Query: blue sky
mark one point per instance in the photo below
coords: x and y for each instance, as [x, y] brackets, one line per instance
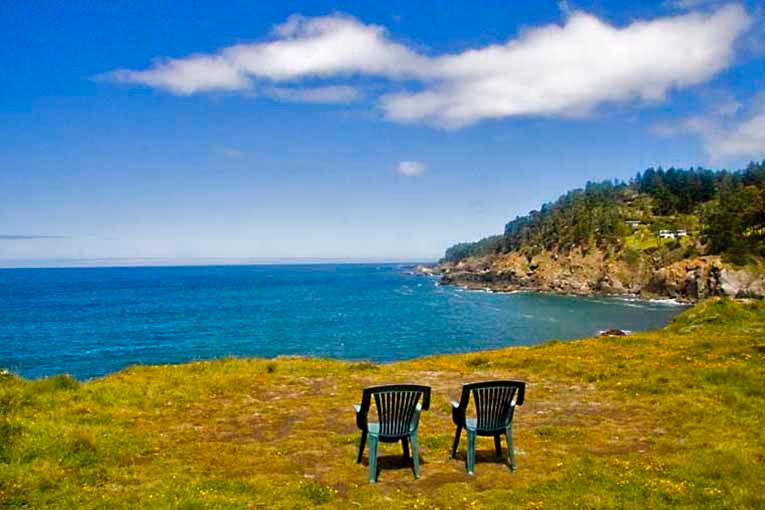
[349, 129]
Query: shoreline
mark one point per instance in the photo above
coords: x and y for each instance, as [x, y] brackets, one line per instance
[437, 273]
[653, 298]
[622, 297]
[687, 281]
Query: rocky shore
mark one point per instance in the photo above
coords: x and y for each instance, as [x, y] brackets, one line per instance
[597, 273]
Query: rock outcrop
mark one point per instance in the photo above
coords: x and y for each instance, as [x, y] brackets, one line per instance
[600, 273]
[741, 283]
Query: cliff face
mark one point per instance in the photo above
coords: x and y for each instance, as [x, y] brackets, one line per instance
[599, 273]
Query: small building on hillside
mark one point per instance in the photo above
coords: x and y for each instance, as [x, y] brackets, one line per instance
[633, 223]
[672, 234]
[666, 234]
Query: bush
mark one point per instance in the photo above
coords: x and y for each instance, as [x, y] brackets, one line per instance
[631, 256]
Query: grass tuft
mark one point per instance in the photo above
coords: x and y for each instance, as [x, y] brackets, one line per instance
[478, 362]
[362, 366]
[315, 493]
[56, 383]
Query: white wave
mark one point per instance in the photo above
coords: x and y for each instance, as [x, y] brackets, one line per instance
[657, 301]
[669, 302]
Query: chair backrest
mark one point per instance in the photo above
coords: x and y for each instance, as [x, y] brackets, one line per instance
[493, 401]
[395, 405]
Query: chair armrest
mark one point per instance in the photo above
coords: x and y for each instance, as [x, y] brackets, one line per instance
[511, 413]
[458, 414]
[361, 418]
[415, 418]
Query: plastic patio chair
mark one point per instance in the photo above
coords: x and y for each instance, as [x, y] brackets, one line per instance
[398, 415]
[495, 403]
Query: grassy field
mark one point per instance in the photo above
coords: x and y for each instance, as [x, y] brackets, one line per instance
[666, 419]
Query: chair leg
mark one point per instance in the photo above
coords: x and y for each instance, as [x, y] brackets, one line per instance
[372, 458]
[362, 444]
[415, 455]
[510, 448]
[470, 461]
[405, 447]
[497, 446]
[456, 441]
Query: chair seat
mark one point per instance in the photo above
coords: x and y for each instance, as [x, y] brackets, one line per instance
[374, 429]
[471, 424]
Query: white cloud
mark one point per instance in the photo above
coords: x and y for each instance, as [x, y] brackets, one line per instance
[684, 4]
[566, 69]
[231, 152]
[326, 46]
[728, 131]
[570, 69]
[747, 139]
[305, 47]
[410, 168]
[328, 94]
[198, 73]
[698, 124]
[730, 107]
[565, 8]
[687, 5]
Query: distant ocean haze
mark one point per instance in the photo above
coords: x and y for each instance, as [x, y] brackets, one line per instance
[93, 321]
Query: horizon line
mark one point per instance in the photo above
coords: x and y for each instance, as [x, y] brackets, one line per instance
[117, 262]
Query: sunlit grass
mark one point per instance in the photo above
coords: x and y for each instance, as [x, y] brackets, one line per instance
[665, 419]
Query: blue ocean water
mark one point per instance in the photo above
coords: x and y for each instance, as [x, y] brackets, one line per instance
[92, 321]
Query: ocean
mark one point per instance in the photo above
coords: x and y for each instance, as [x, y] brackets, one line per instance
[90, 322]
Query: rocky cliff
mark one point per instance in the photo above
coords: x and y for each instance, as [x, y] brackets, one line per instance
[599, 272]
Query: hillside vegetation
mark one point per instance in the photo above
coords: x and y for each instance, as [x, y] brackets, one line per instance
[722, 212]
[664, 419]
[678, 233]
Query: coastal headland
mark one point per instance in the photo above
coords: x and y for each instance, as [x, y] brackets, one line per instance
[683, 234]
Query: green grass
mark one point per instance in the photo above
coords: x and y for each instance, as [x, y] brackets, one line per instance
[665, 419]
[642, 240]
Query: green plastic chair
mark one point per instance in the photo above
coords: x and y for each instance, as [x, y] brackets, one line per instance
[495, 403]
[398, 415]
